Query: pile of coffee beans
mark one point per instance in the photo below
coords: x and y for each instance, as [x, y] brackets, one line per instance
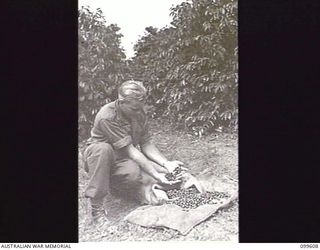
[191, 198]
[172, 176]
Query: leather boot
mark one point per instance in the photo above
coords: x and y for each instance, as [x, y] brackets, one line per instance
[98, 212]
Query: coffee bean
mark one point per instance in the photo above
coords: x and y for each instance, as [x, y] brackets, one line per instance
[177, 170]
[190, 198]
[172, 176]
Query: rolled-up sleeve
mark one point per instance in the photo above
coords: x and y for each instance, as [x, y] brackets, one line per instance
[118, 136]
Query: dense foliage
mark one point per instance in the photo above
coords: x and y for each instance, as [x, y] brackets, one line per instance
[101, 65]
[190, 68]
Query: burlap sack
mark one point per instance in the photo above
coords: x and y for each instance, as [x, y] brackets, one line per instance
[152, 193]
[173, 216]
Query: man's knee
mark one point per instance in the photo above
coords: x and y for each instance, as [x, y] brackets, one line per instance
[97, 154]
[134, 174]
[147, 179]
[128, 171]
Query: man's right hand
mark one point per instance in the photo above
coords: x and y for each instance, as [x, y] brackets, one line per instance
[163, 180]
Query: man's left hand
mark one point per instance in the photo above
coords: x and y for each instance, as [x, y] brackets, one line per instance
[172, 165]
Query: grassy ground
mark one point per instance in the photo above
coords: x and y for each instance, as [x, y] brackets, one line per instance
[216, 154]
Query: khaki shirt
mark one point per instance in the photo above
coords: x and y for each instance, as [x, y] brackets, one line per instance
[111, 127]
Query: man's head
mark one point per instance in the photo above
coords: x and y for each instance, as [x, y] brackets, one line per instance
[132, 90]
[132, 95]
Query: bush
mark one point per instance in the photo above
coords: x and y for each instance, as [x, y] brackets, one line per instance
[190, 69]
[102, 65]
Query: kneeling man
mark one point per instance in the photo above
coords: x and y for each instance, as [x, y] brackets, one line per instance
[113, 157]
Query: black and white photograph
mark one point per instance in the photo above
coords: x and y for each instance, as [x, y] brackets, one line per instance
[158, 120]
[122, 124]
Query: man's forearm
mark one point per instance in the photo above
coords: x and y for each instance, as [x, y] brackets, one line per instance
[143, 162]
[153, 153]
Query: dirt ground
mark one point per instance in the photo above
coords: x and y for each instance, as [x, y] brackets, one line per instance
[216, 154]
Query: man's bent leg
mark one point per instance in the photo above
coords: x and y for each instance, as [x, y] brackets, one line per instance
[126, 177]
[133, 182]
[99, 158]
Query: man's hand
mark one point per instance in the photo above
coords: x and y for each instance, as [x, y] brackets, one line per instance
[153, 153]
[172, 165]
[163, 180]
[147, 166]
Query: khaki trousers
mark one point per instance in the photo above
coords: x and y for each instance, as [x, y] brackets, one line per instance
[108, 169]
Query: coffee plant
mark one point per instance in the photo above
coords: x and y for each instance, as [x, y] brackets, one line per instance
[102, 65]
[191, 67]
